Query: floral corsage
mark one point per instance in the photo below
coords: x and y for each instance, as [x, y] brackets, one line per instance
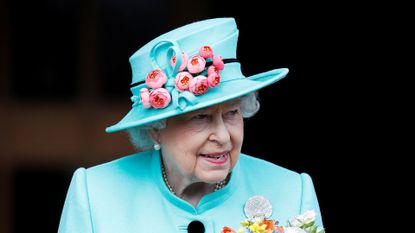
[303, 223]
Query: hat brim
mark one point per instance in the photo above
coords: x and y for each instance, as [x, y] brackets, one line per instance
[222, 93]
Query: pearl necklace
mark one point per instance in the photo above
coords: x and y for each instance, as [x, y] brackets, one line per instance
[218, 186]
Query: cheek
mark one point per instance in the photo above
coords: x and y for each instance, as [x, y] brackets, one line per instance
[182, 143]
[237, 131]
[176, 142]
[190, 138]
[237, 140]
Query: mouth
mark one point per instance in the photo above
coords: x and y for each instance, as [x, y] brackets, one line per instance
[216, 158]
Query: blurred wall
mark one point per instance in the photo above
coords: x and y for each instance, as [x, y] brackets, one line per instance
[64, 77]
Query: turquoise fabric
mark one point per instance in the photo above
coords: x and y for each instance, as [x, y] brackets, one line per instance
[129, 195]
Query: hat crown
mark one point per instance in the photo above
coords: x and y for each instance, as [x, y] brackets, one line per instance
[220, 33]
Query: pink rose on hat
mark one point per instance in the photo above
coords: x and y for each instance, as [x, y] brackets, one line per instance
[206, 51]
[184, 61]
[198, 85]
[218, 62]
[196, 64]
[212, 69]
[156, 79]
[213, 80]
[182, 81]
[159, 98]
[145, 97]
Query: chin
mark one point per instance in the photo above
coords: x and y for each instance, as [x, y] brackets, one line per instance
[215, 177]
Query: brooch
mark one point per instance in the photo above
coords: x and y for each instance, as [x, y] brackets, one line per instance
[258, 207]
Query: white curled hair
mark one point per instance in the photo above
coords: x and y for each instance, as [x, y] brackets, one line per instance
[141, 139]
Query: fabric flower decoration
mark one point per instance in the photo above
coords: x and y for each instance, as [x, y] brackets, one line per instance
[145, 97]
[206, 51]
[198, 85]
[156, 79]
[183, 80]
[196, 64]
[159, 98]
[213, 80]
[218, 62]
[212, 69]
[184, 61]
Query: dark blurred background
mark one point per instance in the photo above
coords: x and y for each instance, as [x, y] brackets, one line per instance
[64, 77]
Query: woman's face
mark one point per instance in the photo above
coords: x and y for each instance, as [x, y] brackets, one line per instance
[204, 145]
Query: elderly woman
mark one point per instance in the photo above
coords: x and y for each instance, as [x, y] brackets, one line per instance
[189, 104]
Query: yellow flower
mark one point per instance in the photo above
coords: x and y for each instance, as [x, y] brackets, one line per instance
[257, 227]
[245, 223]
[254, 227]
[262, 228]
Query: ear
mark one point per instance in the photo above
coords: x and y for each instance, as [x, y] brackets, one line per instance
[155, 135]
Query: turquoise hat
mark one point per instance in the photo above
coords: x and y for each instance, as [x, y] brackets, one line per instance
[207, 43]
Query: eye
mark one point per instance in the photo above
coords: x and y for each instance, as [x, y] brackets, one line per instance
[200, 117]
[233, 112]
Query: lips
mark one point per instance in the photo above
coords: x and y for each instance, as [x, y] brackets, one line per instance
[216, 158]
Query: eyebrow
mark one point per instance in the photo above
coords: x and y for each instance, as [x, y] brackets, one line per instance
[232, 103]
[228, 104]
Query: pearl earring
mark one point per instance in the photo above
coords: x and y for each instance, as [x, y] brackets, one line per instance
[157, 146]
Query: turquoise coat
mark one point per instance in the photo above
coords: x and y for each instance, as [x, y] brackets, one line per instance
[129, 195]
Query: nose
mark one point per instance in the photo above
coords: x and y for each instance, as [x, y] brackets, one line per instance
[220, 133]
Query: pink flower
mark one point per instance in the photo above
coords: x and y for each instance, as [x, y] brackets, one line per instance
[212, 69]
[218, 62]
[184, 61]
[198, 85]
[213, 80]
[196, 64]
[182, 81]
[206, 51]
[145, 97]
[156, 79]
[159, 98]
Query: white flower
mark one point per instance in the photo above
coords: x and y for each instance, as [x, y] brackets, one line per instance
[295, 222]
[303, 219]
[309, 216]
[294, 230]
